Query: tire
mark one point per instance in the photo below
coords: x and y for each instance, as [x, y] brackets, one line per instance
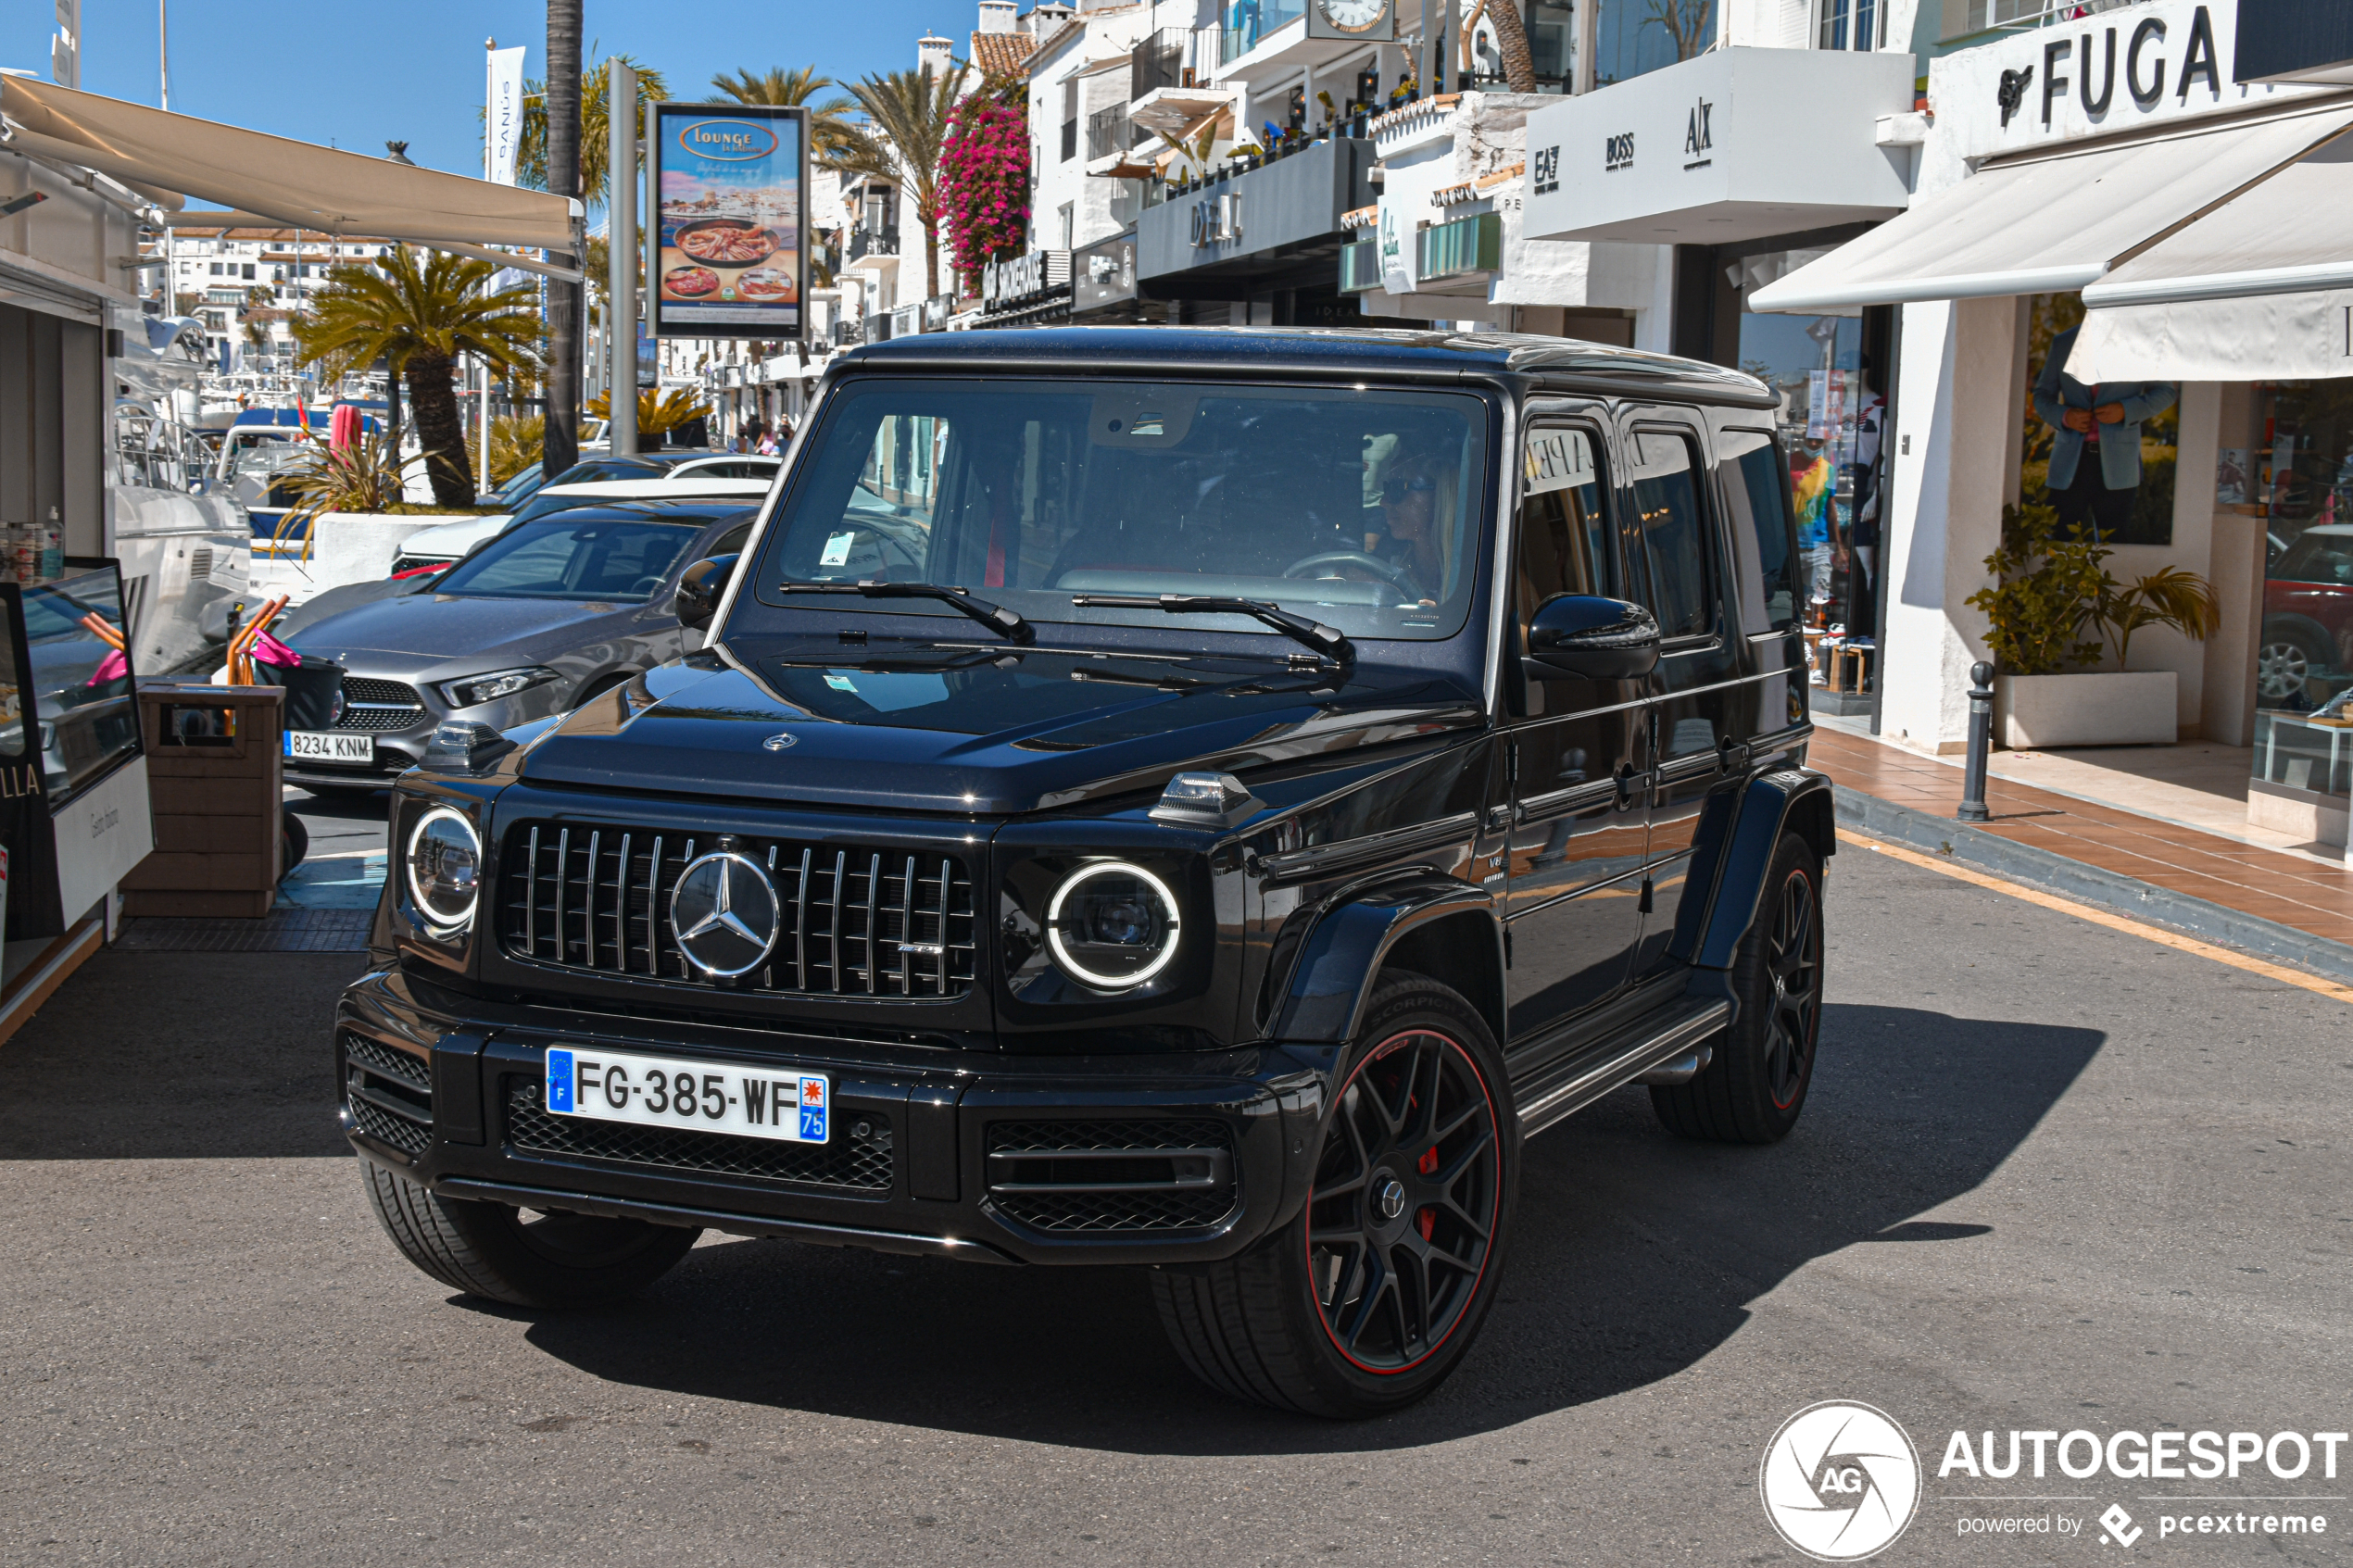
[550, 1264]
[2286, 656]
[1754, 1087]
[1372, 1336]
[295, 836]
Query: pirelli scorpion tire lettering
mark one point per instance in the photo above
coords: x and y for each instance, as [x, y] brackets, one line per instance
[1754, 1089]
[1370, 1297]
[549, 1262]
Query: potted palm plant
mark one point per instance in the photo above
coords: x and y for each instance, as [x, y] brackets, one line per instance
[2054, 613]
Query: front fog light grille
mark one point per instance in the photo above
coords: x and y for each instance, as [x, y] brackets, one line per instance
[856, 1160]
[852, 921]
[389, 1093]
[1114, 1176]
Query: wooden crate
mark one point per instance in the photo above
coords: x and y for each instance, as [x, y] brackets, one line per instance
[214, 772]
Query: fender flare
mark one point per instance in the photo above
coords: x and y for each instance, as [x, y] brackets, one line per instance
[1343, 951]
[1774, 802]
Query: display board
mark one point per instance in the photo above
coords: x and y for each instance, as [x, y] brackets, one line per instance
[730, 182]
[73, 799]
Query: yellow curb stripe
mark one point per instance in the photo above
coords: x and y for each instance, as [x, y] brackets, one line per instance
[2329, 988]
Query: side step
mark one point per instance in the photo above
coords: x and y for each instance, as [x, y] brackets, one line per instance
[1669, 1050]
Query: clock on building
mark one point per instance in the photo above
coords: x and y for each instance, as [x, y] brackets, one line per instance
[1370, 20]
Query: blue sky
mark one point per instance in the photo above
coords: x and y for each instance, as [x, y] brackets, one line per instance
[357, 76]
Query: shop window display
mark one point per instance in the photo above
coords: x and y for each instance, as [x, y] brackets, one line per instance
[2103, 453]
[2302, 477]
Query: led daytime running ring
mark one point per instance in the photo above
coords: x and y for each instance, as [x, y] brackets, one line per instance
[1080, 971]
[434, 920]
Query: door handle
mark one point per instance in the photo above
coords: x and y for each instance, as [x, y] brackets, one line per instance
[1627, 779]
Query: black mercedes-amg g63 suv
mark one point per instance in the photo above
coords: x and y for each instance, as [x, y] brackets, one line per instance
[1190, 798]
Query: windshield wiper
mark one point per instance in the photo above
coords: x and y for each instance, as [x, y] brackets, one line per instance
[1003, 621]
[1326, 640]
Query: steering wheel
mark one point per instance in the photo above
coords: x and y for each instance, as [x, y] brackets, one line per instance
[1396, 576]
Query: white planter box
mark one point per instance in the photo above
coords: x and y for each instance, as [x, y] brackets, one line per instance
[2119, 708]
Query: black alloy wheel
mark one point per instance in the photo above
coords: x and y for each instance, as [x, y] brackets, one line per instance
[1793, 962]
[1374, 1291]
[1402, 1212]
[1756, 1081]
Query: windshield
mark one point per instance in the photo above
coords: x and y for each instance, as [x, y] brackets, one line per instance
[614, 559]
[265, 454]
[610, 468]
[1361, 509]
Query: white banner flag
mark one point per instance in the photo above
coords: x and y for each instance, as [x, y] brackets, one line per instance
[503, 122]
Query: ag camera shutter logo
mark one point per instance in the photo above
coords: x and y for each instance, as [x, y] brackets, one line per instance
[1840, 1481]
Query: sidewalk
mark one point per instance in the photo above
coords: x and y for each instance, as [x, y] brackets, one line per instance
[2289, 905]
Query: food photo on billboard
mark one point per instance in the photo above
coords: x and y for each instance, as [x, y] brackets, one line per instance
[731, 180]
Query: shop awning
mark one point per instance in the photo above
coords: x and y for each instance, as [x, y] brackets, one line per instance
[2051, 224]
[287, 182]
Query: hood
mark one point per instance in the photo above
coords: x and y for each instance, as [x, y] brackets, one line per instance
[986, 732]
[443, 626]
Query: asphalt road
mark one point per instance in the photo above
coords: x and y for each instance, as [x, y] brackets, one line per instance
[2052, 1176]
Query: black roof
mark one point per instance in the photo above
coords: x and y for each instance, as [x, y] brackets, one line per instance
[1387, 352]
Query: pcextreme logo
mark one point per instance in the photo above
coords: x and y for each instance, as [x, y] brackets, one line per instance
[1840, 1481]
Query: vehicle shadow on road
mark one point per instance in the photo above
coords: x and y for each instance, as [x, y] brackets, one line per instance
[1636, 1255]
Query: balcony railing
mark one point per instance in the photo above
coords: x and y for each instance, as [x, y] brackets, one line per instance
[872, 242]
[1250, 22]
[1175, 57]
[1110, 131]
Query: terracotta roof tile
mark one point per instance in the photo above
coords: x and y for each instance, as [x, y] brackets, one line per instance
[1001, 53]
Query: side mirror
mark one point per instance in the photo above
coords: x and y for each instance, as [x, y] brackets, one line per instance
[700, 589]
[1586, 635]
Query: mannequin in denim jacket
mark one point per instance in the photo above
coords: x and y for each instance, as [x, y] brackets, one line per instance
[2106, 416]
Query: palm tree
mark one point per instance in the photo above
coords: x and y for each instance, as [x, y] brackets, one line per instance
[596, 126]
[907, 124]
[831, 136]
[1511, 41]
[419, 316]
[559, 175]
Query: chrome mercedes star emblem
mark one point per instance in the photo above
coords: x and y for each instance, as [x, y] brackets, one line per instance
[725, 913]
[779, 741]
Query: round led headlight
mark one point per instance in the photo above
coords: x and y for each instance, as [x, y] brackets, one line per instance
[445, 869]
[1112, 926]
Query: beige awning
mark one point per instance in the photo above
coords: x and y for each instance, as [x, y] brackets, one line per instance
[284, 181]
[2051, 224]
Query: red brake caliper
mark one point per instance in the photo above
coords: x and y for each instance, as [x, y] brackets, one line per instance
[1427, 1166]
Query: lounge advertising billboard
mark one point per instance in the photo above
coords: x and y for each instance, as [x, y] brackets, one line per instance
[731, 181]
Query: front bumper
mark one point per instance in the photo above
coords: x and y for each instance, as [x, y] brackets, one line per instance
[984, 1155]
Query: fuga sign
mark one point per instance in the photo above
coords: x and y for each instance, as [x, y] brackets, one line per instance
[2092, 76]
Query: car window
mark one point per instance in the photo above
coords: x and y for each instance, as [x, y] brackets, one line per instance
[2316, 558]
[729, 468]
[1758, 491]
[609, 468]
[1564, 527]
[1671, 532]
[613, 560]
[1364, 509]
[732, 541]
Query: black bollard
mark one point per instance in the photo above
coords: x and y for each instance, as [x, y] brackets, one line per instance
[1981, 741]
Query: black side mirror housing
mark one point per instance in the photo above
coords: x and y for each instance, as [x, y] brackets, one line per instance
[700, 589]
[1588, 637]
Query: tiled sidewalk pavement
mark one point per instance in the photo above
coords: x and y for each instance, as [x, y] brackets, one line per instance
[2291, 891]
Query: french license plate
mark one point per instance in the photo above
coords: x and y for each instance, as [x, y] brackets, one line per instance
[653, 1091]
[326, 745]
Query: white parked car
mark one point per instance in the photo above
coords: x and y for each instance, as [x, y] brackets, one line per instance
[720, 475]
